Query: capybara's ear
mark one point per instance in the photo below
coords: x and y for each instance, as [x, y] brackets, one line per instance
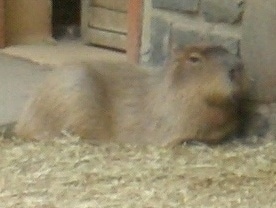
[175, 52]
[173, 49]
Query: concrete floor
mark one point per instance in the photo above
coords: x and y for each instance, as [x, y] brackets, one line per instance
[23, 67]
[61, 52]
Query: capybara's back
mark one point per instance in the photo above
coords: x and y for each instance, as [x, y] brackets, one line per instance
[195, 97]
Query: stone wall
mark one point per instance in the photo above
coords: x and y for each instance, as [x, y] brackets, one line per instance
[189, 21]
[258, 48]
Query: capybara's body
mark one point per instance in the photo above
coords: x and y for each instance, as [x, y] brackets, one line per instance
[193, 98]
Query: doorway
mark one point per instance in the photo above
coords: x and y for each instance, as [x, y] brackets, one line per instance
[66, 19]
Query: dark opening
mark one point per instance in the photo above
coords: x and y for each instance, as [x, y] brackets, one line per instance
[66, 19]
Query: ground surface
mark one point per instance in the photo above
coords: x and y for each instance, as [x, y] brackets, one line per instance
[61, 52]
[70, 173]
[73, 174]
[23, 67]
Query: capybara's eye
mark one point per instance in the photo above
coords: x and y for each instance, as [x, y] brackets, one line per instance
[194, 58]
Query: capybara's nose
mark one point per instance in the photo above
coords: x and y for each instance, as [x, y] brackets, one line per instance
[235, 71]
[234, 67]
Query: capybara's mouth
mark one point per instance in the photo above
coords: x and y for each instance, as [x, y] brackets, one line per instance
[223, 102]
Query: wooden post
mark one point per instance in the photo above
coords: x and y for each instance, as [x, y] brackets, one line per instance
[2, 23]
[85, 6]
[135, 14]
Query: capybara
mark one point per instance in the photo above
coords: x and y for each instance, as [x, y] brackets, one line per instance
[195, 97]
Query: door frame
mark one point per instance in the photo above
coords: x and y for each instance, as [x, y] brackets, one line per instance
[135, 22]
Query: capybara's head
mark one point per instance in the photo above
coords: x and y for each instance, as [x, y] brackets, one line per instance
[214, 80]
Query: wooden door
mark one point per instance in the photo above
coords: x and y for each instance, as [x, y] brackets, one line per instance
[104, 23]
[2, 24]
[27, 21]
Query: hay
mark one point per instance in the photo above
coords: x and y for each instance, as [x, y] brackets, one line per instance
[67, 172]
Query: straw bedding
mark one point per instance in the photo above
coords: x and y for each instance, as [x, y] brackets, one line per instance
[68, 172]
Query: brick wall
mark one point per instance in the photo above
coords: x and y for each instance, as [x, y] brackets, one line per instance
[190, 21]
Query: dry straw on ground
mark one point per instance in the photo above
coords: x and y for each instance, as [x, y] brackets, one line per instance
[73, 174]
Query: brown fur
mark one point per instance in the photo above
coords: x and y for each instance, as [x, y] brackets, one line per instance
[193, 98]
